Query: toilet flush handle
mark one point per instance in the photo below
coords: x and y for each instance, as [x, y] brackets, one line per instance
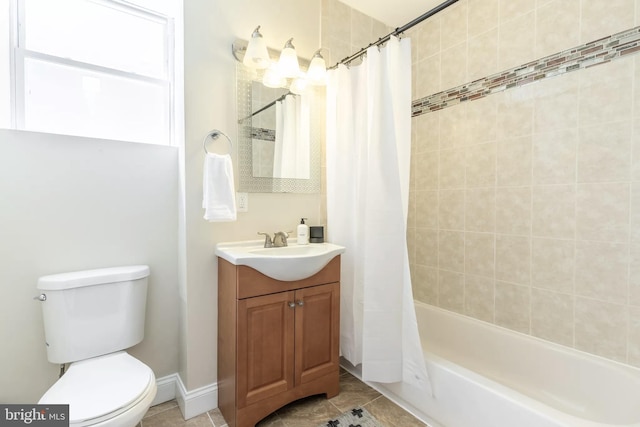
[41, 297]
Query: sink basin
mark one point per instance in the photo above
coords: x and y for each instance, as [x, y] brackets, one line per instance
[293, 262]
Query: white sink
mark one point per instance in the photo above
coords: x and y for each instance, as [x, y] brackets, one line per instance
[293, 262]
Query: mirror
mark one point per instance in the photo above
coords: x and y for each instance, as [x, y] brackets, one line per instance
[279, 136]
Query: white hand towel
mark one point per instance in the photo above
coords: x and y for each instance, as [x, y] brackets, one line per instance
[218, 198]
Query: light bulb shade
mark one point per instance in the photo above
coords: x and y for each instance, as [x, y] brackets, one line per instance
[299, 85]
[288, 63]
[273, 78]
[257, 54]
[317, 72]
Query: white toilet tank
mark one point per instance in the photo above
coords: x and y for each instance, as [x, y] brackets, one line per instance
[94, 312]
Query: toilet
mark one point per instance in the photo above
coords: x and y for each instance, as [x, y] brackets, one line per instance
[90, 318]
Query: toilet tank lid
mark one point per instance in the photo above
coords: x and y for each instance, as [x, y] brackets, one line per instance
[77, 279]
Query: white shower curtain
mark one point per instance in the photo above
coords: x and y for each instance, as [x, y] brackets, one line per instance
[292, 143]
[368, 160]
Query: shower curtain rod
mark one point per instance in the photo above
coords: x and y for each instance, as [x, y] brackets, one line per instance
[266, 107]
[397, 31]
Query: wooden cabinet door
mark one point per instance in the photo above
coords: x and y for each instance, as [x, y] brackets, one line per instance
[265, 347]
[317, 330]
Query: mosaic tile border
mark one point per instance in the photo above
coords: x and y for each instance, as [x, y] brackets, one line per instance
[263, 134]
[588, 55]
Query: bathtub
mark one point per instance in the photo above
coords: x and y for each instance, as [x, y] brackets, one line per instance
[487, 376]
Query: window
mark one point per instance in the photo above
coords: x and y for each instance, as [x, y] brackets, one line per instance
[97, 68]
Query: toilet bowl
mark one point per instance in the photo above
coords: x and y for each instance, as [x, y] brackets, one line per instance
[91, 317]
[112, 390]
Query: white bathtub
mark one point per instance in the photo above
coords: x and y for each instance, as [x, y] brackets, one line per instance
[487, 376]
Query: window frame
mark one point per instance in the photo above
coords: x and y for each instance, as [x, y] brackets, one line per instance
[19, 54]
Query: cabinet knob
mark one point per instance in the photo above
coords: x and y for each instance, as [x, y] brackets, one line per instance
[292, 304]
[300, 303]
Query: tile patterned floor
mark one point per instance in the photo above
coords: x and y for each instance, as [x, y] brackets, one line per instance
[308, 412]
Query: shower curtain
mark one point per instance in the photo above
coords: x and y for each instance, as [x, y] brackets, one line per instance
[292, 142]
[368, 160]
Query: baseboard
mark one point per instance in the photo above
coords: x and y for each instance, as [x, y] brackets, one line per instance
[198, 401]
[192, 403]
[166, 389]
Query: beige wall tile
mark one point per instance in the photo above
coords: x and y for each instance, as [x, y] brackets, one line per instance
[426, 174]
[513, 306]
[425, 284]
[426, 247]
[479, 296]
[361, 29]
[511, 9]
[552, 316]
[427, 127]
[516, 45]
[602, 271]
[554, 157]
[451, 173]
[451, 250]
[480, 209]
[451, 210]
[601, 18]
[479, 249]
[427, 209]
[426, 77]
[483, 16]
[515, 112]
[428, 39]
[557, 27]
[634, 336]
[513, 259]
[411, 245]
[454, 25]
[481, 120]
[635, 212]
[513, 161]
[513, 210]
[602, 212]
[604, 93]
[451, 290]
[604, 152]
[453, 66]
[480, 165]
[552, 264]
[634, 274]
[453, 130]
[600, 328]
[635, 162]
[483, 55]
[556, 103]
[553, 211]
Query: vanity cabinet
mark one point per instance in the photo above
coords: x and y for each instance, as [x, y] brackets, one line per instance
[277, 341]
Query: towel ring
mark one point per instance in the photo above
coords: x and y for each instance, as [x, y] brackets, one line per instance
[215, 134]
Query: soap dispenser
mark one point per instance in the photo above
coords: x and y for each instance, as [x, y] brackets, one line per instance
[303, 233]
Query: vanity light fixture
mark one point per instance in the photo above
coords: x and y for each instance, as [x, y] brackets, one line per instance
[273, 78]
[257, 54]
[288, 63]
[286, 71]
[299, 84]
[317, 73]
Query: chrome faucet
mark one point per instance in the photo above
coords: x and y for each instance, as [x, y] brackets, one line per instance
[280, 239]
[268, 243]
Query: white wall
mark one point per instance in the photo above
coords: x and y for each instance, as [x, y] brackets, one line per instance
[210, 103]
[71, 203]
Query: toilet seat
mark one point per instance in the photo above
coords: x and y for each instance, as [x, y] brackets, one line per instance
[101, 388]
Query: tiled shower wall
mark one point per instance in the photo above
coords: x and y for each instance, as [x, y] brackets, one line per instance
[525, 204]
